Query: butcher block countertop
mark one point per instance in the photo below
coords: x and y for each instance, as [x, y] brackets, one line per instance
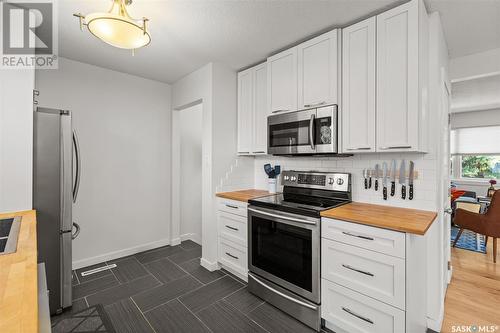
[411, 221]
[243, 195]
[19, 281]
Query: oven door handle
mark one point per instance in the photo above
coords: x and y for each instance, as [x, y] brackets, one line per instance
[311, 131]
[283, 217]
[281, 294]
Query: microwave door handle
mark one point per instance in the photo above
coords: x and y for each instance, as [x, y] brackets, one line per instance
[311, 131]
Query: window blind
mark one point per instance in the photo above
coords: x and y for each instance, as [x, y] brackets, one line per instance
[475, 141]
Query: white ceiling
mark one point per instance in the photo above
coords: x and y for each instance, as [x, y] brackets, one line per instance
[188, 34]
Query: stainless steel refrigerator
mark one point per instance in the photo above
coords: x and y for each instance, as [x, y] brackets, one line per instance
[56, 178]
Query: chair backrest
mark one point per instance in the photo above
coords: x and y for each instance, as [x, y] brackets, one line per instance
[494, 208]
[474, 207]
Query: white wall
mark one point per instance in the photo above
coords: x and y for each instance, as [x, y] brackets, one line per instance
[190, 121]
[214, 85]
[475, 65]
[123, 123]
[16, 139]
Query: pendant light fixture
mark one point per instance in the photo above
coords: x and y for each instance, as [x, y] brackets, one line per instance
[116, 27]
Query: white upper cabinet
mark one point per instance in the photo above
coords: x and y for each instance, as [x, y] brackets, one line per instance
[318, 70]
[402, 35]
[245, 111]
[252, 111]
[260, 110]
[282, 81]
[358, 86]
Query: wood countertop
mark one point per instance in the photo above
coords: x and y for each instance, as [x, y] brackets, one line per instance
[243, 195]
[19, 280]
[411, 221]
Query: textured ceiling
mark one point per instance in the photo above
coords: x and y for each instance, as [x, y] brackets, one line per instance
[188, 34]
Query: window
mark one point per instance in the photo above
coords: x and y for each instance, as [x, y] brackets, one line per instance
[475, 152]
[480, 166]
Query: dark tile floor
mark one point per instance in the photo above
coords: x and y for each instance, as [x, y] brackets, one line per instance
[166, 290]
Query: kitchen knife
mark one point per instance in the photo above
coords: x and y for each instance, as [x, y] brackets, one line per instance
[370, 178]
[376, 176]
[402, 179]
[410, 180]
[365, 176]
[393, 178]
[384, 180]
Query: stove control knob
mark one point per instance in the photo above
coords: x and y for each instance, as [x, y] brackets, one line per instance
[286, 178]
[331, 181]
[340, 181]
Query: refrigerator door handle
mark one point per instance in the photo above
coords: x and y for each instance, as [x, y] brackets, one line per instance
[77, 230]
[76, 186]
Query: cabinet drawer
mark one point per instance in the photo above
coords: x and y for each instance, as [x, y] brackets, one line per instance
[233, 256]
[348, 311]
[233, 207]
[370, 238]
[233, 227]
[373, 274]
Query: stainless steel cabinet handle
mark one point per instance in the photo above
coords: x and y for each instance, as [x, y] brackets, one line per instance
[359, 236]
[396, 147]
[281, 294]
[259, 152]
[357, 270]
[311, 131]
[360, 148]
[231, 206]
[76, 186]
[234, 257]
[357, 315]
[232, 228]
[77, 231]
[281, 216]
[314, 104]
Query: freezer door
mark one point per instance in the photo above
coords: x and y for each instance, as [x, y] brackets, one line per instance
[66, 273]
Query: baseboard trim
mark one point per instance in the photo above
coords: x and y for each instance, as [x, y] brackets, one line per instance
[211, 266]
[119, 253]
[191, 236]
[435, 324]
[175, 241]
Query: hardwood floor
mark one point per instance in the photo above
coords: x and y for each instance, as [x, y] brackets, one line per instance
[473, 297]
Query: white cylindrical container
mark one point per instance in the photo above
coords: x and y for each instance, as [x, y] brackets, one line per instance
[272, 185]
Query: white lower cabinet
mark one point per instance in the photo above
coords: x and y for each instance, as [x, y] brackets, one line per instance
[374, 274]
[347, 311]
[232, 236]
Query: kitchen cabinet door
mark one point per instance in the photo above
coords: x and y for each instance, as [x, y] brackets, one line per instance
[260, 110]
[282, 81]
[245, 111]
[358, 86]
[318, 70]
[398, 78]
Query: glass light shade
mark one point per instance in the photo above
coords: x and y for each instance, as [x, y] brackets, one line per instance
[117, 28]
[117, 31]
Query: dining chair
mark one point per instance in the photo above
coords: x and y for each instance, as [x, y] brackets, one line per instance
[487, 224]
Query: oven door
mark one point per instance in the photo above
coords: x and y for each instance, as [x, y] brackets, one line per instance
[285, 249]
[291, 133]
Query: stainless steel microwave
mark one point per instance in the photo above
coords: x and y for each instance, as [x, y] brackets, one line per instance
[311, 131]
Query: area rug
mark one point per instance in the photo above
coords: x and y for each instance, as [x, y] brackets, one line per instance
[90, 320]
[468, 240]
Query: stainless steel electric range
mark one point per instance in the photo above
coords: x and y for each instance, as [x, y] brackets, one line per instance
[284, 241]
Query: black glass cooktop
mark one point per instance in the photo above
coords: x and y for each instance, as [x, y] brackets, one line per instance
[298, 204]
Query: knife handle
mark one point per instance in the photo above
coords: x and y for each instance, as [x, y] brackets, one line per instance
[376, 184]
[366, 183]
[403, 192]
[410, 194]
[393, 188]
[370, 182]
[385, 193]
